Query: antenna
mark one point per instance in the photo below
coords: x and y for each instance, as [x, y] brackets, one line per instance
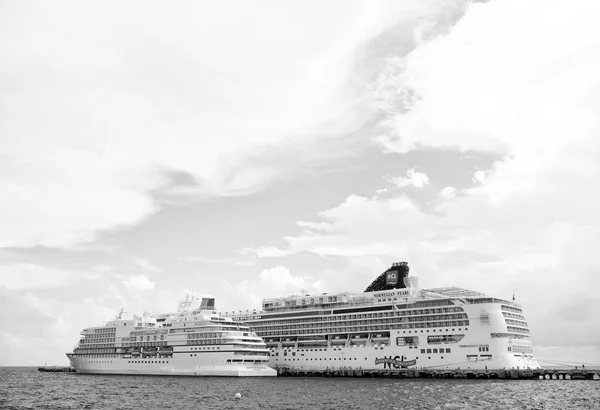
[119, 315]
[184, 305]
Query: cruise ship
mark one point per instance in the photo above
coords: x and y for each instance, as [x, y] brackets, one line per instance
[393, 325]
[189, 342]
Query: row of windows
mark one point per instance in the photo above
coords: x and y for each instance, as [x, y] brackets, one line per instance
[285, 352]
[213, 328]
[145, 344]
[324, 329]
[208, 342]
[324, 303]
[346, 359]
[511, 309]
[310, 301]
[250, 353]
[87, 351]
[439, 350]
[474, 357]
[103, 330]
[517, 330]
[147, 361]
[520, 349]
[506, 336]
[444, 339]
[515, 322]
[206, 335]
[98, 355]
[360, 316]
[88, 340]
[146, 332]
[439, 330]
[402, 323]
[155, 337]
[243, 360]
[388, 322]
[513, 315]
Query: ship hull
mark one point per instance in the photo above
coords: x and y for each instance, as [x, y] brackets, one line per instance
[184, 366]
[485, 343]
[463, 356]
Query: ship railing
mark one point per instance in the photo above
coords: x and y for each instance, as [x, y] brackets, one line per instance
[284, 309]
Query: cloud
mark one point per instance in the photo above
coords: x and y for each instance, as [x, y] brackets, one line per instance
[43, 320]
[138, 283]
[448, 192]
[92, 125]
[273, 282]
[528, 224]
[280, 280]
[20, 276]
[146, 265]
[360, 226]
[217, 261]
[264, 252]
[416, 179]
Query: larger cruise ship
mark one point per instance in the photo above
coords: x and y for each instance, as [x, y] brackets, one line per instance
[393, 325]
[189, 342]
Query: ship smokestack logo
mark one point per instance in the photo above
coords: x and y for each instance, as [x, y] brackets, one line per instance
[391, 278]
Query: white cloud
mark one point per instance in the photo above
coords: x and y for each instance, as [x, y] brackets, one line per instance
[448, 192]
[414, 178]
[19, 276]
[530, 224]
[146, 265]
[272, 282]
[138, 283]
[479, 176]
[44, 320]
[90, 122]
[264, 252]
[279, 279]
[219, 261]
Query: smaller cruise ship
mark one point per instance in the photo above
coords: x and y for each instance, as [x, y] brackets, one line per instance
[189, 342]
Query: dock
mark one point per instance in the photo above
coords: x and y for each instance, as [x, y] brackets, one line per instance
[57, 369]
[512, 374]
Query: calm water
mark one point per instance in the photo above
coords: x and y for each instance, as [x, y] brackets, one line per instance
[26, 388]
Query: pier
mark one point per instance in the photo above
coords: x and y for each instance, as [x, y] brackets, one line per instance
[57, 369]
[513, 374]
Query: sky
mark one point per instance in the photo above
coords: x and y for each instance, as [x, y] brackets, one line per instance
[246, 150]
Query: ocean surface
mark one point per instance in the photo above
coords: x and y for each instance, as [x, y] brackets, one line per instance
[26, 388]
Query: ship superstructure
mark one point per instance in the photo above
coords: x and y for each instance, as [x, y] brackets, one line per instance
[394, 325]
[194, 342]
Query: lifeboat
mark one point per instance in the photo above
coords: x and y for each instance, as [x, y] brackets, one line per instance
[288, 341]
[312, 341]
[165, 350]
[380, 338]
[149, 352]
[359, 339]
[338, 339]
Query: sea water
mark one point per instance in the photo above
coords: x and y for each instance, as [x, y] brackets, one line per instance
[26, 388]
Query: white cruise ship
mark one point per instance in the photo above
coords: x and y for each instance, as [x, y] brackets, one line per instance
[191, 342]
[393, 325]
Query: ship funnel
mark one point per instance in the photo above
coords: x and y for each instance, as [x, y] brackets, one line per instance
[393, 278]
[207, 304]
